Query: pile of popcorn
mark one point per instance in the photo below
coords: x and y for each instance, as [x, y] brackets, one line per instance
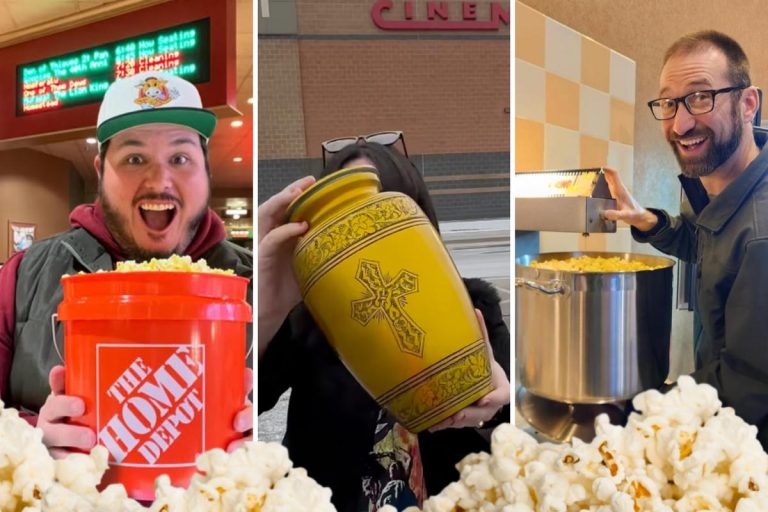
[174, 263]
[682, 453]
[256, 477]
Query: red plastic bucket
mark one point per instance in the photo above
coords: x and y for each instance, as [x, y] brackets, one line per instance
[159, 358]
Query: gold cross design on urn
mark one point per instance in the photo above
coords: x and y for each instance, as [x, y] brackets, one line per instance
[385, 299]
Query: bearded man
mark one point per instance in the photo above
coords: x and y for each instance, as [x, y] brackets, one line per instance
[154, 186]
[705, 109]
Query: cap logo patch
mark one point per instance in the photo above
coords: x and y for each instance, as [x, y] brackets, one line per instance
[153, 93]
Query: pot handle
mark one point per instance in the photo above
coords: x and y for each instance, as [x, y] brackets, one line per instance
[554, 286]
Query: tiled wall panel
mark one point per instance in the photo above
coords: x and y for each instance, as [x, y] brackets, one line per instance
[575, 101]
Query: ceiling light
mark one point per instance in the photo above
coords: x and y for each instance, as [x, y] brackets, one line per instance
[250, 101]
[236, 212]
[237, 159]
[237, 123]
[91, 140]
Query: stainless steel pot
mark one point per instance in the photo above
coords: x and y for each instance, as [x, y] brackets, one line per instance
[592, 337]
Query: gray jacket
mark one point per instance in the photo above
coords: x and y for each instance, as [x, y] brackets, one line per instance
[728, 240]
[39, 292]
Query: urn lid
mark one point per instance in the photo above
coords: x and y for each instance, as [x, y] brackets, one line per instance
[339, 179]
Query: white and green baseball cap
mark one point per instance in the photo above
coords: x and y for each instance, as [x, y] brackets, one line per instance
[152, 97]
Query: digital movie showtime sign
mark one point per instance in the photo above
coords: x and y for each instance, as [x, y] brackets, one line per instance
[82, 77]
[55, 82]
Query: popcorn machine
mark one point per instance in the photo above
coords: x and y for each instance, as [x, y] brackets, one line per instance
[567, 201]
[586, 342]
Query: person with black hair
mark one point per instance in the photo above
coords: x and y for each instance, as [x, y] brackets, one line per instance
[335, 429]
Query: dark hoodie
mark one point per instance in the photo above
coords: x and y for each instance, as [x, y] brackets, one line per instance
[91, 218]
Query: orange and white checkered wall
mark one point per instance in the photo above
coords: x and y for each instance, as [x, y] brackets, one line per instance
[574, 108]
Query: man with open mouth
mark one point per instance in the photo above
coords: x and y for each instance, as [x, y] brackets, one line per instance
[706, 105]
[153, 192]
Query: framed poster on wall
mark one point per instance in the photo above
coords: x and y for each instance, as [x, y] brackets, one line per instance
[20, 236]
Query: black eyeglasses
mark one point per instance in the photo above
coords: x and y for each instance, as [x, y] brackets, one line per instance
[696, 103]
[383, 138]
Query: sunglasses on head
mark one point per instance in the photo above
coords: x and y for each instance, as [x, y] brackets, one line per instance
[383, 138]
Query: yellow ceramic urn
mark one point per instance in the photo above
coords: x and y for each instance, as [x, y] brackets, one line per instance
[378, 280]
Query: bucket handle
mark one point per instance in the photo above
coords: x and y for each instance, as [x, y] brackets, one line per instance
[54, 320]
[554, 287]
